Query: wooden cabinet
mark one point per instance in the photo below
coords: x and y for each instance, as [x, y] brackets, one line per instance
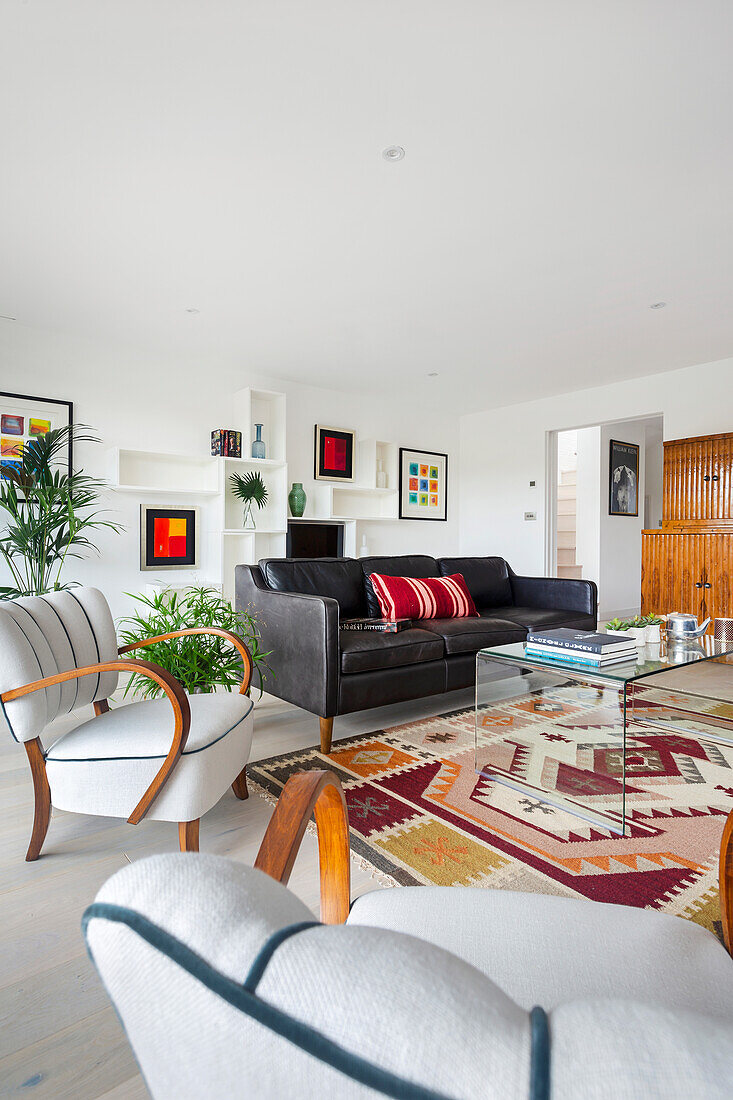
[686, 565]
[686, 572]
[698, 481]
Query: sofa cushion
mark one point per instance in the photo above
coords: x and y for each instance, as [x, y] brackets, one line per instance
[535, 618]
[363, 650]
[423, 597]
[397, 565]
[487, 579]
[340, 578]
[470, 635]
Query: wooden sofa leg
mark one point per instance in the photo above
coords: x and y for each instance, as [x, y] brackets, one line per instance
[326, 734]
[42, 792]
[239, 786]
[188, 835]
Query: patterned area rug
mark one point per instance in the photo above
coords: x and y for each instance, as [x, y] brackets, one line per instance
[420, 813]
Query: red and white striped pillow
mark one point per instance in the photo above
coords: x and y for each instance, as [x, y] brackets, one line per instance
[427, 598]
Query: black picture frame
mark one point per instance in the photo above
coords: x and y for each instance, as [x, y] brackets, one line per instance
[20, 405]
[148, 559]
[623, 478]
[321, 470]
[410, 510]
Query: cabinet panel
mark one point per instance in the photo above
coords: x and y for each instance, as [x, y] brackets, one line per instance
[698, 480]
[687, 572]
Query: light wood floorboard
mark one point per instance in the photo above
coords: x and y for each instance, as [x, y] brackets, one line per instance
[59, 1036]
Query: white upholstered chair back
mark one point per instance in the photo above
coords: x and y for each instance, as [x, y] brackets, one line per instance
[44, 635]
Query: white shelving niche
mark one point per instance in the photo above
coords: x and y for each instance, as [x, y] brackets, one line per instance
[202, 479]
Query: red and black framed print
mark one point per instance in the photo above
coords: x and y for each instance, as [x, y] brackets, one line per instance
[169, 538]
[423, 484]
[334, 454]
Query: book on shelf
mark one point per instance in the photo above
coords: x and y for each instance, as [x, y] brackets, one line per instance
[226, 443]
[381, 626]
[578, 657]
[586, 641]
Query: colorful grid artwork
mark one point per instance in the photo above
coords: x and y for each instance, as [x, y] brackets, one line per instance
[423, 485]
[23, 420]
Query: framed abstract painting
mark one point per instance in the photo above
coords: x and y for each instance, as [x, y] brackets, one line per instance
[423, 484]
[334, 454]
[169, 538]
[23, 419]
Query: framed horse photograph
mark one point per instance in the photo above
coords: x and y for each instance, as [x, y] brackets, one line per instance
[623, 477]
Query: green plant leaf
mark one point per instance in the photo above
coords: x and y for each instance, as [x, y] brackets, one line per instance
[249, 486]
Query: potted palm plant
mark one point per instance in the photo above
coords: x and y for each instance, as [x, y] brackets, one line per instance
[251, 489]
[49, 513]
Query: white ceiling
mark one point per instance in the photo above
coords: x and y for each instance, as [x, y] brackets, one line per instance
[568, 164]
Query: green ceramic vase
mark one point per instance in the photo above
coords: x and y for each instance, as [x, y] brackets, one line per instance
[297, 499]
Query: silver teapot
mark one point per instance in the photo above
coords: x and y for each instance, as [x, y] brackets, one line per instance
[684, 628]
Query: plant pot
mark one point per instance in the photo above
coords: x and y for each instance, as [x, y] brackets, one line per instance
[638, 633]
[653, 634]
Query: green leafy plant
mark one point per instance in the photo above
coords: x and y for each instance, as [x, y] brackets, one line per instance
[651, 620]
[620, 624]
[49, 512]
[250, 488]
[200, 662]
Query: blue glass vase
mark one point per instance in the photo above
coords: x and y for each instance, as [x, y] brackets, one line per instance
[258, 444]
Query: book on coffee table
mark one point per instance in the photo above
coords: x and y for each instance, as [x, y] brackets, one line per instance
[579, 657]
[582, 641]
[381, 626]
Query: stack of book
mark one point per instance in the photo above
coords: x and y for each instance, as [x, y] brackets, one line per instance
[226, 442]
[382, 626]
[582, 647]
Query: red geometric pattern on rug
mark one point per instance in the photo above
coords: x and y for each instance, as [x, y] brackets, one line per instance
[421, 814]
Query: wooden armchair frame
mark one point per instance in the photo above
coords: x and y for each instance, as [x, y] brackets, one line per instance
[318, 793]
[188, 831]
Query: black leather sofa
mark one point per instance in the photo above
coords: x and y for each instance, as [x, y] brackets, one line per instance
[330, 672]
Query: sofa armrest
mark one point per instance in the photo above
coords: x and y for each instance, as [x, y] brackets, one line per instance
[555, 592]
[301, 634]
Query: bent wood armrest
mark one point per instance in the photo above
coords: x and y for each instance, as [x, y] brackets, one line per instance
[174, 691]
[319, 793]
[725, 874]
[233, 638]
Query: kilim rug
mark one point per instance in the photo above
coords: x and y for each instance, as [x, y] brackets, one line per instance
[420, 814]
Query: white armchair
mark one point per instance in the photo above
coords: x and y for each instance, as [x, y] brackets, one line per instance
[227, 987]
[170, 759]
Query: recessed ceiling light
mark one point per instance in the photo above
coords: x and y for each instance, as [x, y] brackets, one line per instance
[657, 305]
[393, 152]
[432, 374]
[192, 309]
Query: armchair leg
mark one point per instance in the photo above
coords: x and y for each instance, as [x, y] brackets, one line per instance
[188, 835]
[326, 734]
[239, 786]
[42, 793]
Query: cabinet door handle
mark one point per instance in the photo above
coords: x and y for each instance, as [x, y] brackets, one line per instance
[715, 477]
[706, 585]
[698, 584]
[707, 477]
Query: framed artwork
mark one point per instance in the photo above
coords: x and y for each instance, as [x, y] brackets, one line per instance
[23, 419]
[423, 484]
[623, 477]
[169, 538]
[334, 454]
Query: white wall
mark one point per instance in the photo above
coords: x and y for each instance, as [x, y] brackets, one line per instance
[502, 450]
[588, 503]
[146, 400]
[619, 581]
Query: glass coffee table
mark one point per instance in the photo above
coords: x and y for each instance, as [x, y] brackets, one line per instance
[573, 737]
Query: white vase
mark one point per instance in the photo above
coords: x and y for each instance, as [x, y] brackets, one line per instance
[381, 475]
[638, 633]
[363, 549]
[653, 634]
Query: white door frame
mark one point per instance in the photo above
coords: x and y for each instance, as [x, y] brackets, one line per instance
[551, 503]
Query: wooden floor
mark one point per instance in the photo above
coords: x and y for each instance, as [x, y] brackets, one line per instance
[59, 1036]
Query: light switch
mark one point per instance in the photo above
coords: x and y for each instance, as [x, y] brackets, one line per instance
[530, 515]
